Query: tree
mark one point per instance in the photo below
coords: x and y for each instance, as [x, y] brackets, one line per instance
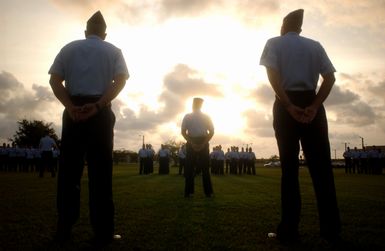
[173, 146]
[29, 133]
[274, 158]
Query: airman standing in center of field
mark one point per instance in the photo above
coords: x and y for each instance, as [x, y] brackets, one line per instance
[198, 129]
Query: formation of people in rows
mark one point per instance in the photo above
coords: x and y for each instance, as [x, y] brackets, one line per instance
[234, 161]
[31, 159]
[365, 161]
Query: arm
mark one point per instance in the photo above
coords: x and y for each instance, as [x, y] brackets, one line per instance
[274, 78]
[56, 82]
[184, 134]
[209, 135]
[323, 93]
[112, 92]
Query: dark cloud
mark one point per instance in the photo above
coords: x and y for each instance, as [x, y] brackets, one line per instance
[264, 94]
[181, 84]
[357, 114]
[186, 8]
[134, 12]
[17, 103]
[162, 10]
[178, 86]
[259, 123]
[9, 86]
[43, 93]
[378, 90]
[340, 95]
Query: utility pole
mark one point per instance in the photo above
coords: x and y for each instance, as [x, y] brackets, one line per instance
[362, 142]
[142, 138]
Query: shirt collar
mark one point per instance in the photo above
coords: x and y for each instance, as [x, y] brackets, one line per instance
[292, 33]
[93, 37]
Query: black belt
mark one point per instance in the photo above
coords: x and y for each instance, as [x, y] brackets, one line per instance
[197, 140]
[82, 100]
[301, 98]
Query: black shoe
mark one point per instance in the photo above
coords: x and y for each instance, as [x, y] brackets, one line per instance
[288, 238]
[62, 236]
[332, 240]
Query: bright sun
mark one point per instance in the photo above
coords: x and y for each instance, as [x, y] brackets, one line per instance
[226, 115]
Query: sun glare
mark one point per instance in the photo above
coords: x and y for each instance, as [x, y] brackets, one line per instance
[225, 114]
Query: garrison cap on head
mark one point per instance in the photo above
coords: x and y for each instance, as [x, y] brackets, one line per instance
[96, 22]
[294, 19]
[197, 101]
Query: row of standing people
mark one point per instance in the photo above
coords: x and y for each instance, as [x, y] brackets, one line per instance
[30, 159]
[231, 162]
[240, 162]
[366, 161]
[146, 159]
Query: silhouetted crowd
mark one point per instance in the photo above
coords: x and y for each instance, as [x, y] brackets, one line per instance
[231, 162]
[27, 159]
[364, 161]
[146, 159]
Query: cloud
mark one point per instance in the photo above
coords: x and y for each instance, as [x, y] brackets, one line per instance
[264, 94]
[367, 13]
[340, 95]
[84, 7]
[183, 83]
[17, 103]
[378, 90]
[259, 123]
[179, 85]
[357, 114]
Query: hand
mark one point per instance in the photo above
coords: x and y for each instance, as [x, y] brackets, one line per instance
[297, 113]
[197, 147]
[73, 112]
[309, 114]
[87, 111]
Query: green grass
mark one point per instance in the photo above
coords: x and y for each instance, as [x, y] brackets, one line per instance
[152, 214]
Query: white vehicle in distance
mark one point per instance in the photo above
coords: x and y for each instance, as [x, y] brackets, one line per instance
[272, 164]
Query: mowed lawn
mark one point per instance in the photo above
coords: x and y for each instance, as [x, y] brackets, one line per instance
[152, 214]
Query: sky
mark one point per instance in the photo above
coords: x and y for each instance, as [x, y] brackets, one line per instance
[178, 49]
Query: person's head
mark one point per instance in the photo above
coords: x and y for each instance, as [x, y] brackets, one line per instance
[292, 22]
[197, 104]
[96, 26]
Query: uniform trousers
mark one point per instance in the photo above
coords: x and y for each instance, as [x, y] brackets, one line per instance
[182, 162]
[315, 144]
[92, 141]
[196, 159]
[142, 163]
[47, 163]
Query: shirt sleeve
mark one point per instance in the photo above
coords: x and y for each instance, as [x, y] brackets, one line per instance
[58, 66]
[269, 57]
[120, 65]
[326, 65]
[210, 124]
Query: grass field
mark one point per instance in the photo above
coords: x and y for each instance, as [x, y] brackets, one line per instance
[152, 214]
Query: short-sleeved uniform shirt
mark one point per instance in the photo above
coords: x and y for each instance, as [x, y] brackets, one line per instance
[46, 143]
[197, 124]
[89, 66]
[298, 60]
